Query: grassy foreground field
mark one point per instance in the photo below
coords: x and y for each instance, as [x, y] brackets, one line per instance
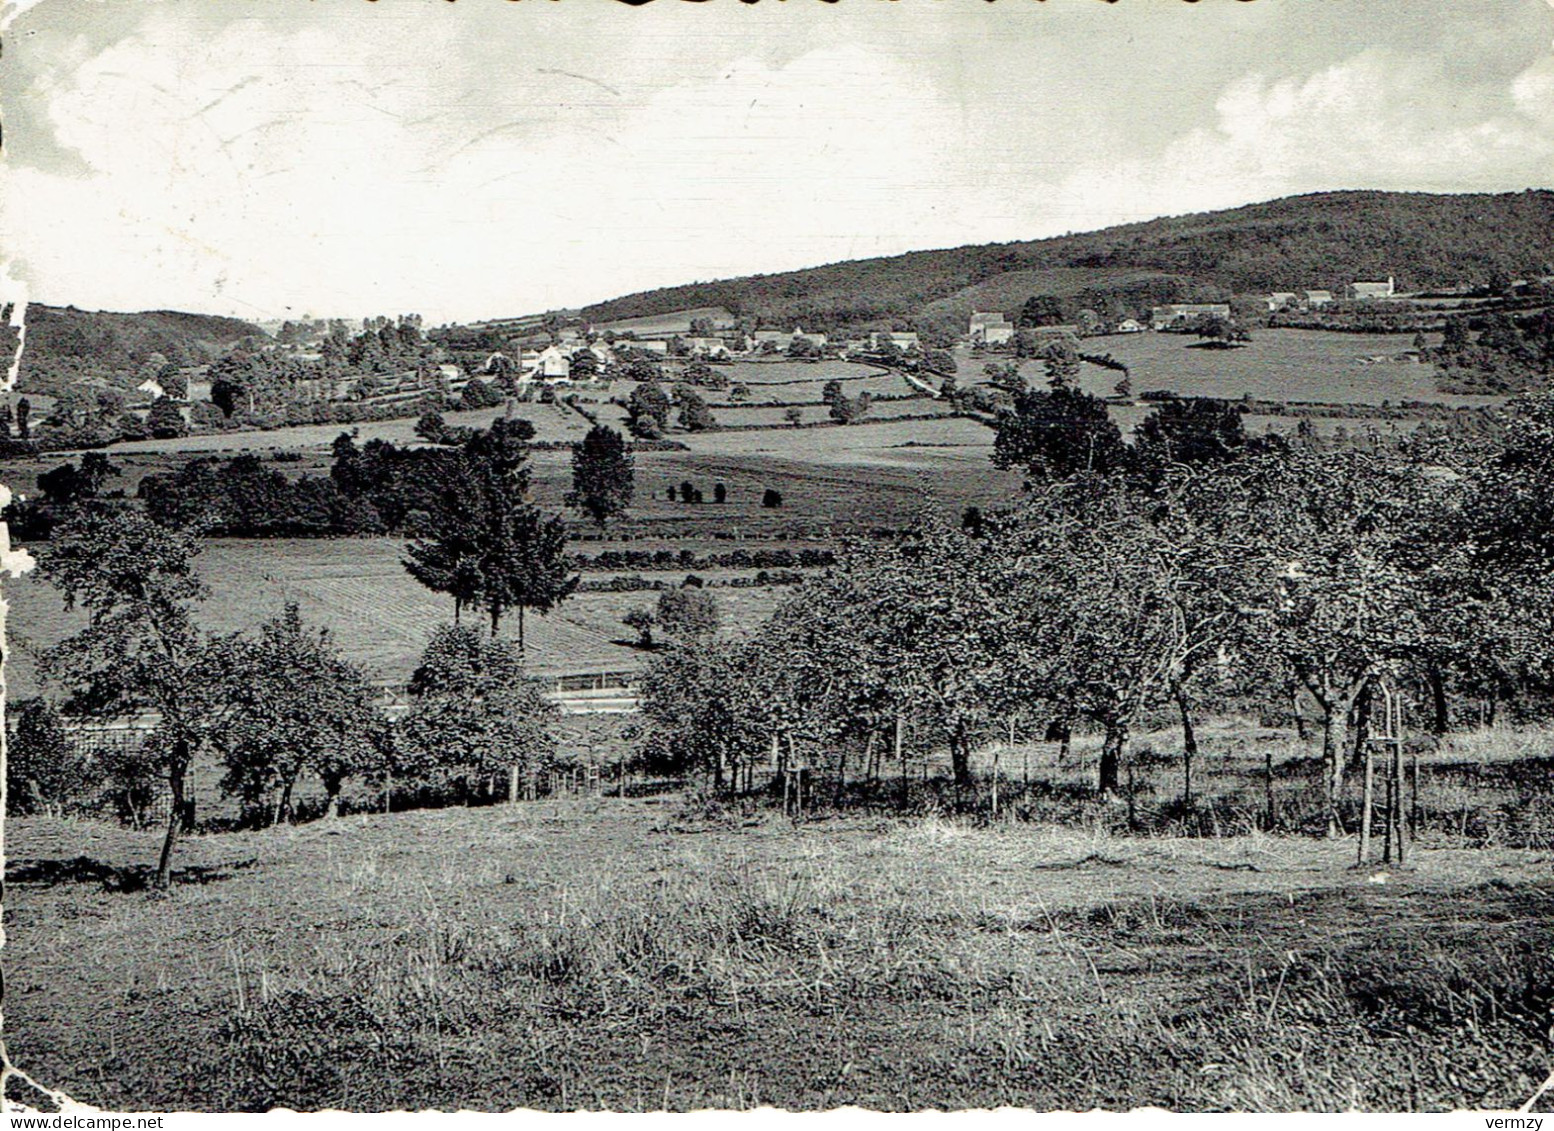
[634, 954]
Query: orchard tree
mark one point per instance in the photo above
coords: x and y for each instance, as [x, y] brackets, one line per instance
[603, 475]
[297, 705]
[475, 713]
[1332, 578]
[140, 650]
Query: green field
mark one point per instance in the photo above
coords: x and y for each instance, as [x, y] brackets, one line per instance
[551, 423]
[381, 616]
[1278, 365]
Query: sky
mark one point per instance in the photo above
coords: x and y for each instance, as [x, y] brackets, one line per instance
[482, 158]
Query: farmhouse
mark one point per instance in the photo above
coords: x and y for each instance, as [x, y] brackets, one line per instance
[1280, 300]
[550, 364]
[1130, 326]
[798, 333]
[1367, 291]
[1163, 316]
[707, 347]
[776, 337]
[990, 328]
[1317, 298]
[657, 346]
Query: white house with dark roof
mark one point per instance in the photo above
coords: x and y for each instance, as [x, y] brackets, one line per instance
[990, 328]
[1366, 291]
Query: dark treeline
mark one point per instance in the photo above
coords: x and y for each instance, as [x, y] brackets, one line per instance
[811, 558]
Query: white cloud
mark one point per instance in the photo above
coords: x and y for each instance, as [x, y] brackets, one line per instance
[468, 169]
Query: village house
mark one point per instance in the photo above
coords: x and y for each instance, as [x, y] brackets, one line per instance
[707, 347]
[990, 328]
[1280, 300]
[1366, 291]
[1130, 326]
[776, 337]
[1315, 299]
[549, 364]
[1162, 317]
[816, 339]
[657, 346]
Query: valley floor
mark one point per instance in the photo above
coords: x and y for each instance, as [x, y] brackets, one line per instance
[637, 954]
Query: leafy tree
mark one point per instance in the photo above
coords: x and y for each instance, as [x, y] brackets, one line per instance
[225, 393]
[695, 416]
[687, 614]
[643, 620]
[940, 361]
[297, 705]
[475, 712]
[647, 411]
[771, 498]
[1329, 574]
[45, 772]
[603, 475]
[794, 416]
[1191, 431]
[831, 392]
[431, 427]
[484, 542]
[699, 701]
[24, 419]
[6, 419]
[139, 649]
[165, 420]
[1040, 310]
[1057, 433]
[719, 493]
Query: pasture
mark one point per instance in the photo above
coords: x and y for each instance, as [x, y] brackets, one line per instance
[358, 589]
[666, 953]
[551, 423]
[1278, 365]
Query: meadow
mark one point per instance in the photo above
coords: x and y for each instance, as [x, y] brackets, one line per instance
[1278, 364]
[676, 953]
[380, 616]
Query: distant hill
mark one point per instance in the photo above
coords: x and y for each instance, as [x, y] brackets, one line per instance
[65, 341]
[1322, 240]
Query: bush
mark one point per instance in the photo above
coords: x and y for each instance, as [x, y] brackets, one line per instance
[771, 498]
[45, 772]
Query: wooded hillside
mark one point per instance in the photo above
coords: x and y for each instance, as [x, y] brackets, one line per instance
[1322, 240]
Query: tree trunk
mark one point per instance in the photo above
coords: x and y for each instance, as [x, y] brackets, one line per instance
[1361, 714]
[332, 807]
[1300, 719]
[1335, 734]
[520, 628]
[1440, 721]
[1111, 757]
[1189, 740]
[496, 618]
[175, 781]
[960, 756]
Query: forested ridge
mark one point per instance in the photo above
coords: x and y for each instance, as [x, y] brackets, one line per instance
[1320, 240]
